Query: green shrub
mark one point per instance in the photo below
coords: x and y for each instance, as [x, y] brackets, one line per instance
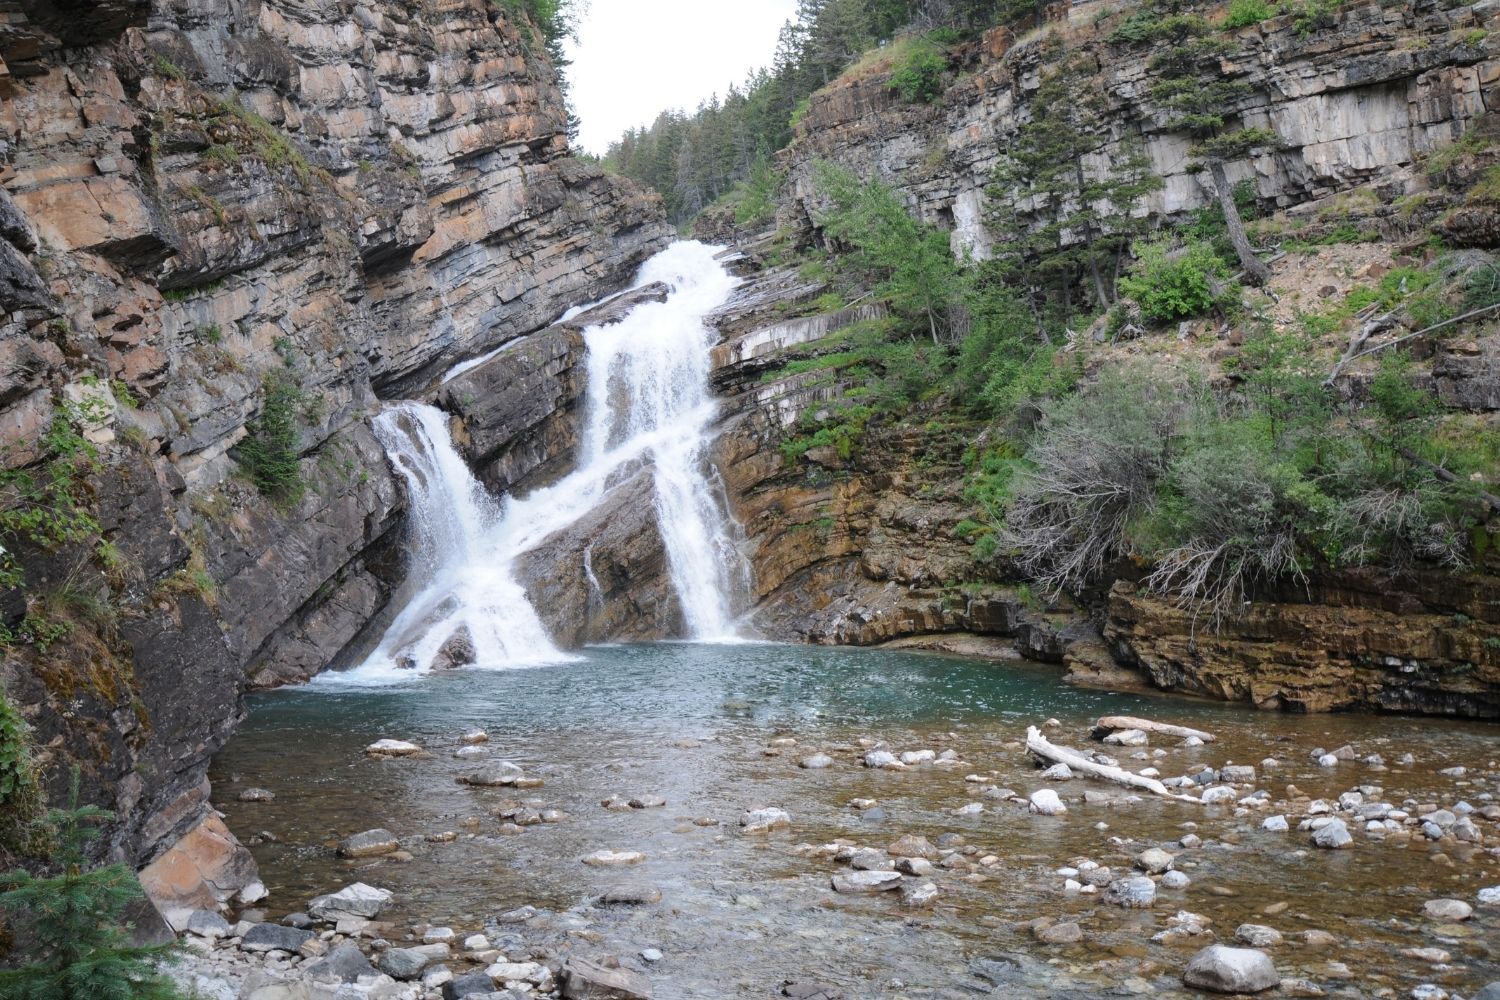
[75, 924]
[1174, 284]
[20, 792]
[1243, 13]
[48, 505]
[918, 78]
[270, 452]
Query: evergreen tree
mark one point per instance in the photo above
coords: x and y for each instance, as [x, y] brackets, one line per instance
[1056, 214]
[73, 922]
[905, 261]
[1198, 101]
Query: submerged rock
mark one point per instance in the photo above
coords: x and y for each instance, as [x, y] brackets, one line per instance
[866, 881]
[371, 843]
[1134, 892]
[758, 821]
[392, 748]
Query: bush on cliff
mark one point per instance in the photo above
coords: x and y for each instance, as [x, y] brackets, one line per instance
[1220, 495]
[270, 452]
[73, 924]
[1175, 283]
[20, 792]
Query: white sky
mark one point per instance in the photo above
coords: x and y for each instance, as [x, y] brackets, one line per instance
[636, 58]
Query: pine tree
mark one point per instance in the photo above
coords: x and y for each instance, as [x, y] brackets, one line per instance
[1203, 107]
[1057, 212]
[74, 924]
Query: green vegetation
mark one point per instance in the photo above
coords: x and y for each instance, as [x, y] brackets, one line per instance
[48, 504]
[918, 77]
[20, 790]
[1062, 224]
[270, 452]
[77, 942]
[1172, 284]
[165, 67]
[694, 159]
[1224, 493]
[1243, 13]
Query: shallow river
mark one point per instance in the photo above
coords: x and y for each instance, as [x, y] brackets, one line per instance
[695, 724]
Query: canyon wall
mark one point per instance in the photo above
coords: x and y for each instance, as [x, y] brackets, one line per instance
[1354, 102]
[216, 214]
[867, 547]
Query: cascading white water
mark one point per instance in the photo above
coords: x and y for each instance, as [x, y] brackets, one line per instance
[648, 403]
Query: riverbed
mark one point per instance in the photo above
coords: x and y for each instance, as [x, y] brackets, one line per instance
[719, 729]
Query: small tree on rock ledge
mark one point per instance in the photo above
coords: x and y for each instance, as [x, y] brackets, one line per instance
[74, 924]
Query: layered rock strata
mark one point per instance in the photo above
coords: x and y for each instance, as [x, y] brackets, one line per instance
[216, 215]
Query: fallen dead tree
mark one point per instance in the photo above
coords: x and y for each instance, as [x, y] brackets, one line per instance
[1040, 747]
[1116, 723]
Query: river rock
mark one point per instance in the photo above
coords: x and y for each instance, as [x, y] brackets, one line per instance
[392, 748]
[474, 736]
[816, 762]
[1237, 774]
[912, 846]
[1275, 824]
[883, 760]
[274, 937]
[917, 867]
[408, 963]
[1153, 861]
[1175, 880]
[866, 881]
[1257, 935]
[1221, 969]
[1489, 897]
[468, 985]
[610, 859]
[632, 894]
[358, 901]
[1047, 803]
[1332, 835]
[344, 964]
[915, 895]
[1133, 892]
[1449, 910]
[207, 924]
[584, 979]
[1127, 738]
[1490, 992]
[257, 795]
[369, 844]
[495, 774]
[1066, 932]
[1057, 772]
[758, 821]
[913, 757]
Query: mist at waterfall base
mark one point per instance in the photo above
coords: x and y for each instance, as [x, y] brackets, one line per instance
[646, 401]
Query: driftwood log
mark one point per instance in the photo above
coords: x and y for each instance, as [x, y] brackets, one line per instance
[1116, 723]
[1039, 746]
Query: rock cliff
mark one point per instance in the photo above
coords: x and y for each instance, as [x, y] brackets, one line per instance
[868, 547]
[1355, 102]
[219, 217]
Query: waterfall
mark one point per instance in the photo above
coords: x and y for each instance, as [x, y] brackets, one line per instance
[647, 402]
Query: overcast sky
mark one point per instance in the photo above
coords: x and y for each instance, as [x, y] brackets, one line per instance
[635, 58]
